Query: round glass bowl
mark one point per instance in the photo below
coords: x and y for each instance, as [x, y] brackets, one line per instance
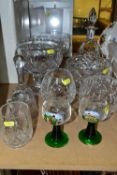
[58, 83]
[40, 55]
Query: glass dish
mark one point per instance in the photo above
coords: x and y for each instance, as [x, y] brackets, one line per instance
[40, 55]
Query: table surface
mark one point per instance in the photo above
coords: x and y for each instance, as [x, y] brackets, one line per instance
[74, 156]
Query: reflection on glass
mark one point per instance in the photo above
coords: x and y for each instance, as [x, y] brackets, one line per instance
[19, 62]
[54, 20]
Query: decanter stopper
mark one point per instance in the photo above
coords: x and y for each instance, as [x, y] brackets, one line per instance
[92, 18]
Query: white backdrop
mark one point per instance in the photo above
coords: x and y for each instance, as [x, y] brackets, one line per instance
[9, 40]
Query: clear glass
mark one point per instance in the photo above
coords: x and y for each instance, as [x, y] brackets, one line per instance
[58, 91]
[25, 94]
[58, 83]
[19, 62]
[63, 40]
[57, 114]
[113, 94]
[90, 45]
[15, 124]
[112, 49]
[94, 106]
[40, 55]
[83, 66]
[108, 86]
[92, 18]
[108, 36]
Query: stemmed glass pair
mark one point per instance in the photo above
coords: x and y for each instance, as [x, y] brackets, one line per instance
[95, 103]
[58, 91]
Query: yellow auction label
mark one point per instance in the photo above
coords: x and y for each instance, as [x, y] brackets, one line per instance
[50, 51]
[9, 123]
[106, 71]
[106, 109]
[66, 81]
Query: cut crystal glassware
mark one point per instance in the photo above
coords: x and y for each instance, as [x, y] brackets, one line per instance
[94, 106]
[58, 91]
[15, 124]
[57, 112]
[108, 36]
[112, 49]
[25, 94]
[90, 45]
[58, 83]
[85, 65]
[40, 55]
[92, 18]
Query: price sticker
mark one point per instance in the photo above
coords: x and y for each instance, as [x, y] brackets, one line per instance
[107, 109]
[9, 123]
[66, 81]
[106, 71]
[51, 51]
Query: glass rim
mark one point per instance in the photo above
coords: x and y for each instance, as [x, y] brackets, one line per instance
[48, 38]
[14, 102]
[33, 41]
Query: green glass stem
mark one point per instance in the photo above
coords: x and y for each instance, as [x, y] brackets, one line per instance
[56, 138]
[90, 135]
[56, 133]
[90, 130]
